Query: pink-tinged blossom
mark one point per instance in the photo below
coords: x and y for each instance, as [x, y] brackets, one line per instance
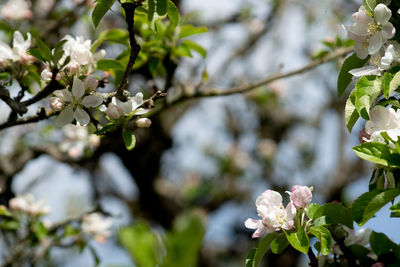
[143, 123]
[371, 33]
[94, 224]
[16, 10]
[18, 52]
[301, 196]
[117, 108]
[383, 120]
[28, 204]
[274, 216]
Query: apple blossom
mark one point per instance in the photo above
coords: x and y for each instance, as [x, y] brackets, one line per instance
[371, 33]
[383, 120]
[18, 51]
[301, 196]
[16, 10]
[74, 102]
[28, 204]
[274, 216]
[78, 140]
[117, 108]
[46, 74]
[97, 226]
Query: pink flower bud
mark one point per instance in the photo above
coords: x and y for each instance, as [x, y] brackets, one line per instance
[56, 104]
[74, 67]
[26, 59]
[301, 196]
[27, 14]
[143, 123]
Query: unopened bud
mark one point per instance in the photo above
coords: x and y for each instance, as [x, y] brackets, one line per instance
[74, 67]
[91, 82]
[56, 104]
[46, 75]
[26, 59]
[143, 123]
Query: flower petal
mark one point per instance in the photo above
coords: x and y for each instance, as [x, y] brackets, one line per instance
[375, 43]
[382, 14]
[64, 95]
[81, 116]
[92, 101]
[364, 71]
[78, 88]
[66, 116]
[388, 31]
[252, 223]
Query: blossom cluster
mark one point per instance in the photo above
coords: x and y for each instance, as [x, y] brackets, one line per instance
[274, 216]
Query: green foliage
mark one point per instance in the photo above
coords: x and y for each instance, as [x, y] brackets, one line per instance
[324, 237]
[279, 244]
[299, 240]
[129, 139]
[381, 244]
[110, 64]
[178, 248]
[368, 88]
[345, 78]
[256, 254]
[395, 210]
[365, 207]
[386, 85]
[311, 209]
[394, 83]
[333, 213]
[114, 35]
[378, 153]
[351, 113]
[370, 6]
[101, 8]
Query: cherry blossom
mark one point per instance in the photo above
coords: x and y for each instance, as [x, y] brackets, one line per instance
[274, 216]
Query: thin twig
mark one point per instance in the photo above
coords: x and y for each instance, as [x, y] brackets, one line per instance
[313, 259]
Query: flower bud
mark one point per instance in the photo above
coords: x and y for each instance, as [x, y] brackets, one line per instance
[56, 104]
[301, 196]
[46, 75]
[91, 83]
[26, 59]
[74, 67]
[143, 123]
[114, 112]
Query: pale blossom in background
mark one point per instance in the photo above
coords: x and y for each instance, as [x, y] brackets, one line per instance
[16, 10]
[19, 50]
[77, 140]
[28, 204]
[97, 226]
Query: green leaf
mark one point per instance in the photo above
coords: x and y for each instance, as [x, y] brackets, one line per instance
[109, 127]
[196, 47]
[345, 78]
[4, 211]
[114, 35]
[394, 84]
[279, 244]
[350, 111]
[335, 213]
[368, 88]
[378, 153]
[5, 76]
[381, 244]
[188, 30]
[325, 238]
[129, 139]
[44, 50]
[141, 243]
[102, 6]
[365, 207]
[256, 254]
[109, 64]
[95, 255]
[161, 7]
[299, 240]
[311, 209]
[173, 13]
[39, 230]
[151, 9]
[386, 79]
[370, 5]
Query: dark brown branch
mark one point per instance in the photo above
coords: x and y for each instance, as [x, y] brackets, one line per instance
[313, 259]
[42, 115]
[135, 47]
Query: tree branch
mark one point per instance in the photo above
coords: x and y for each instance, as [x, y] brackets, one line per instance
[135, 47]
[313, 259]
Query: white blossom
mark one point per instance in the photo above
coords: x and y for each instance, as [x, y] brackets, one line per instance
[97, 226]
[16, 10]
[117, 108]
[19, 50]
[274, 216]
[143, 123]
[371, 33]
[383, 120]
[74, 102]
[28, 204]
[77, 139]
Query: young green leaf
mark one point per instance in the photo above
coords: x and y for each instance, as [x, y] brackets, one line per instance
[256, 254]
[109, 64]
[161, 7]
[368, 88]
[299, 240]
[345, 78]
[394, 84]
[188, 30]
[102, 6]
[365, 207]
[173, 13]
[370, 5]
[325, 238]
[279, 244]
[386, 80]
[334, 213]
[196, 47]
[311, 209]
[129, 139]
[378, 153]
[350, 111]
[381, 244]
